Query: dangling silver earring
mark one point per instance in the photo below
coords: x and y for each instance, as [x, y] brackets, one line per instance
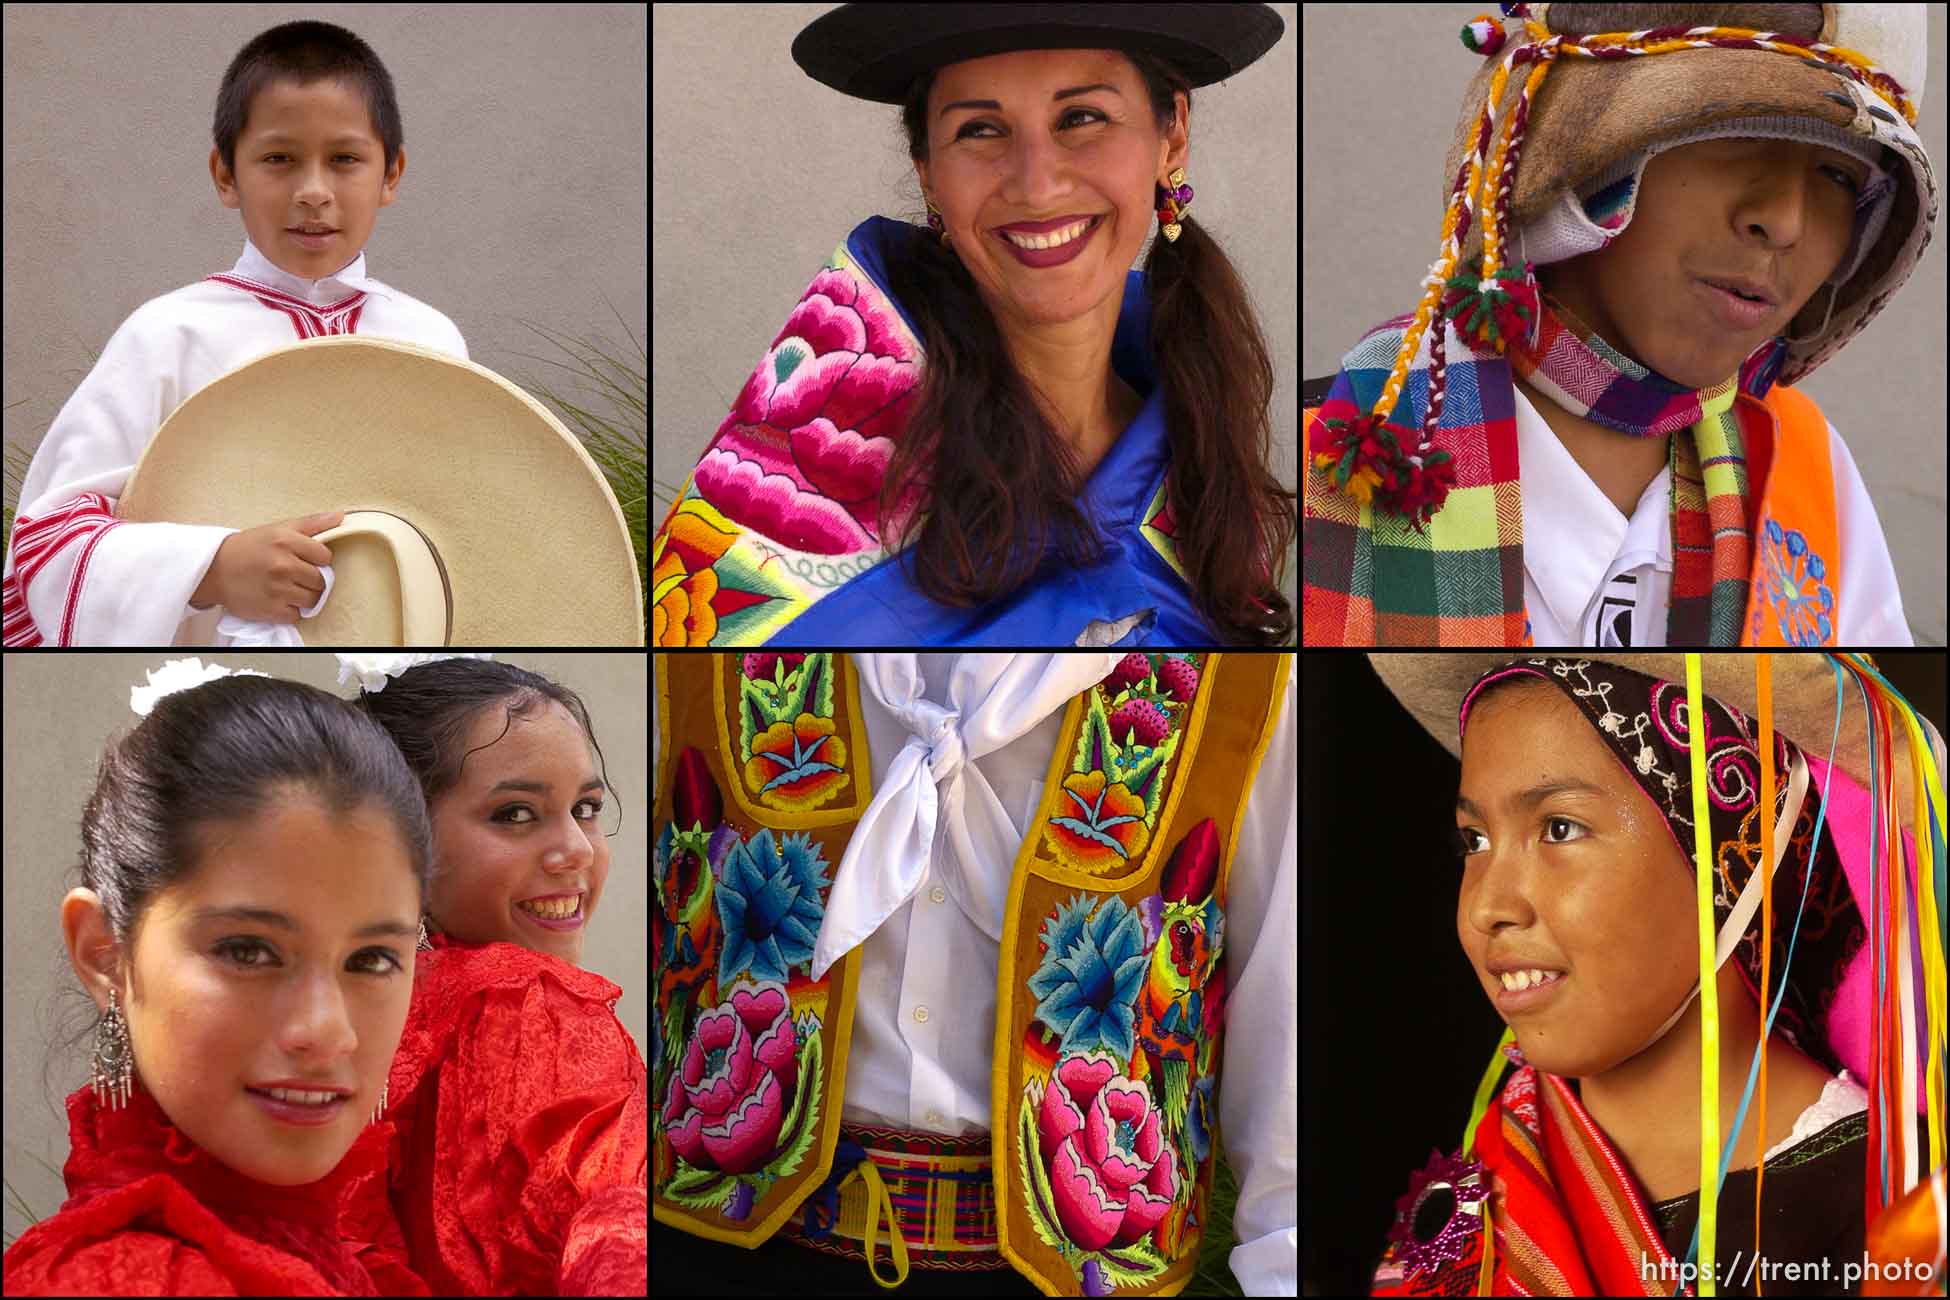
[114, 1063]
[423, 945]
[380, 1109]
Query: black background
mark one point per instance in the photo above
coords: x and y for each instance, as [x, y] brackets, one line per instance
[1394, 1029]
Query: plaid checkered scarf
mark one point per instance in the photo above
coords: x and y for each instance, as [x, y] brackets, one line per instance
[1442, 562]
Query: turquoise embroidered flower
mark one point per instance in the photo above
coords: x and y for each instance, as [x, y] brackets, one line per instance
[770, 903]
[1087, 984]
[1795, 586]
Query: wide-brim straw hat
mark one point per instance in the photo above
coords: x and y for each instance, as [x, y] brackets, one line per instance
[473, 516]
[1432, 686]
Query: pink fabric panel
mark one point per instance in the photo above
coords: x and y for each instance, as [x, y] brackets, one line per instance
[1850, 1019]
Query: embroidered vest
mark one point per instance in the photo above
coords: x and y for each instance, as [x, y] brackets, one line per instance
[1793, 588]
[1111, 987]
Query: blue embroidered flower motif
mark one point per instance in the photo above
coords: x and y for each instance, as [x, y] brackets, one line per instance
[1086, 987]
[770, 903]
[1794, 577]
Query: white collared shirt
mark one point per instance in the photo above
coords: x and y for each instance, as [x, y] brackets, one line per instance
[961, 745]
[75, 574]
[1593, 576]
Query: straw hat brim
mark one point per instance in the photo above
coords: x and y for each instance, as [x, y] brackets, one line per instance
[1431, 687]
[521, 520]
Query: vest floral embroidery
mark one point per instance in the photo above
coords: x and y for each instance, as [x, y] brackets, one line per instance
[1111, 983]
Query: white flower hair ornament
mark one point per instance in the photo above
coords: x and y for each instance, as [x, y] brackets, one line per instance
[375, 670]
[179, 675]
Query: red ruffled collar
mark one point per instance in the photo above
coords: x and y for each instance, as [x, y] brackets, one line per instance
[109, 1149]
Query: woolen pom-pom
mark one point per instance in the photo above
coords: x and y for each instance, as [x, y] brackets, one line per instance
[1483, 35]
[1491, 313]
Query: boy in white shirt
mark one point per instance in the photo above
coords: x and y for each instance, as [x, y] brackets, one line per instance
[307, 138]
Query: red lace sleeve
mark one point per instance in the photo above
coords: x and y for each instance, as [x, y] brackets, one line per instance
[607, 1251]
[128, 1263]
[527, 1126]
[152, 1237]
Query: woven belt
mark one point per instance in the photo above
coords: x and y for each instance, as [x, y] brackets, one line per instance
[936, 1194]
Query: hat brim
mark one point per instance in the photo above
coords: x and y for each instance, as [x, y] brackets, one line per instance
[527, 531]
[875, 51]
[1431, 687]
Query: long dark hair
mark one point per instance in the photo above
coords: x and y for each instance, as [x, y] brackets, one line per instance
[997, 485]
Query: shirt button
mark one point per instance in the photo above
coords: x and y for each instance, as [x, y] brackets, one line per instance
[938, 894]
[921, 1015]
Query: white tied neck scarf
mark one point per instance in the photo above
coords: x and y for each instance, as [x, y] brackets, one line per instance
[934, 809]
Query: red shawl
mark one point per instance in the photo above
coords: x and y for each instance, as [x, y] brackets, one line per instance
[522, 1110]
[1549, 1167]
[151, 1213]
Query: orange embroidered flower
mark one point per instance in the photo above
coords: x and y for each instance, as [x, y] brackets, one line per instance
[682, 584]
[1097, 829]
[797, 765]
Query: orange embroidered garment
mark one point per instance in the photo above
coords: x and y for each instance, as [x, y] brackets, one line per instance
[521, 1107]
[149, 1212]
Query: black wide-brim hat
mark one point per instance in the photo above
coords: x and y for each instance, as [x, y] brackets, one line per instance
[875, 51]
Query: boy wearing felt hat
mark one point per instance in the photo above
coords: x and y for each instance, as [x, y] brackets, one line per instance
[1661, 218]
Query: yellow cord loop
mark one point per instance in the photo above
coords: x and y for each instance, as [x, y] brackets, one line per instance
[878, 1201]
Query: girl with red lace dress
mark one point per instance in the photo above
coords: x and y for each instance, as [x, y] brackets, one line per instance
[519, 1102]
[254, 858]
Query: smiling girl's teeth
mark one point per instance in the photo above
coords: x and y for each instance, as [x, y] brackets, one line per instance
[297, 1098]
[1055, 239]
[556, 909]
[1524, 979]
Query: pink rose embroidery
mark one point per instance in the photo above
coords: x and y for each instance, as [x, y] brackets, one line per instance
[1112, 1176]
[729, 1099]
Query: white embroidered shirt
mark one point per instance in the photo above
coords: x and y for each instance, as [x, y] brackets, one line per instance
[77, 575]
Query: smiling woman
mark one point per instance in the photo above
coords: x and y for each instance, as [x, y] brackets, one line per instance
[253, 856]
[509, 764]
[513, 1058]
[1027, 441]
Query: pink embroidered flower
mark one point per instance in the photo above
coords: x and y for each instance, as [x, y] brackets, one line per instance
[801, 456]
[1112, 1175]
[728, 1099]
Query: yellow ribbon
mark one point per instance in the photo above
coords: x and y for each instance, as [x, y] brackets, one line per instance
[1709, 989]
[1487, 1270]
[877, 1201]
